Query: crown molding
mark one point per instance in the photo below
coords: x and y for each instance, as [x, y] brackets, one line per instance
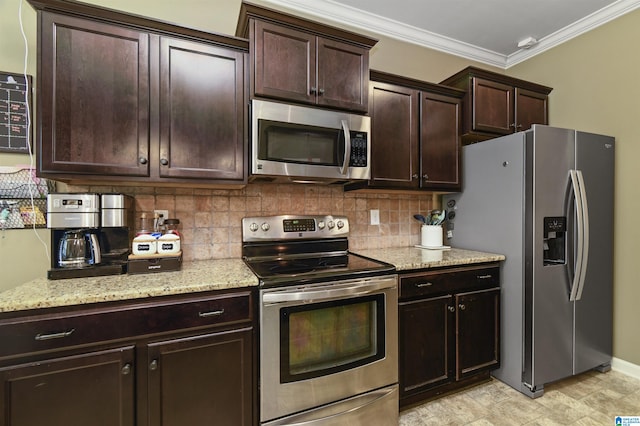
[584, 25]
[328, 10]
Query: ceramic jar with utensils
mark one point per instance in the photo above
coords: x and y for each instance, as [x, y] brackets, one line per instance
[431, 236]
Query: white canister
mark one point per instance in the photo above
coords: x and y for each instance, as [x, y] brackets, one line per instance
[431, 236]
[144, 244]
[169, 244]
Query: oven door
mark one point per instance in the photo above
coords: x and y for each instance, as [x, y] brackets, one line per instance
[322, 343]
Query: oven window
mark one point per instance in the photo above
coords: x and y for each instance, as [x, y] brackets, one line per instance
[293, 143]
[326, 338]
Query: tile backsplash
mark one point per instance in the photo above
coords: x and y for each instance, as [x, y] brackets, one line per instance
[210, 219]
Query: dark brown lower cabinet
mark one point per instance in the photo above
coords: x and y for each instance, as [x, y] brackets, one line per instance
[201, 380]
[449, 330]
[94, 388]
[176, 360]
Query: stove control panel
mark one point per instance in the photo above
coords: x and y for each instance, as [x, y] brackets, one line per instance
[292, 227]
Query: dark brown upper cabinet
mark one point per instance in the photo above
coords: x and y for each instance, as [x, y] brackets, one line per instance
[415, 135]
[202, 111]
[127, 99]
[93, 97]
[496, 104]
[305, 62]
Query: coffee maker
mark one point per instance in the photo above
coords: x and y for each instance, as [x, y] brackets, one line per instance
[90, 234]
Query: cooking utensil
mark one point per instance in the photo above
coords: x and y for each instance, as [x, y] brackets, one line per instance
[441, 216]
[420, 218]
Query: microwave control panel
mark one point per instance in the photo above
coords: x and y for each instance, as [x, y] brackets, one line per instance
[358, 149]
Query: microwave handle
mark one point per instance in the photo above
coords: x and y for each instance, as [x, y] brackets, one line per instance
[347, 148]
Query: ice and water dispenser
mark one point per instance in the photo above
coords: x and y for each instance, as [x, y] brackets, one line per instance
[554, 240]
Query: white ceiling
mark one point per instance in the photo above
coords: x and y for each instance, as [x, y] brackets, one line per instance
[487, 31]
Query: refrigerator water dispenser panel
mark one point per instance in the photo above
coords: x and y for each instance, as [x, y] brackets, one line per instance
[554, 240]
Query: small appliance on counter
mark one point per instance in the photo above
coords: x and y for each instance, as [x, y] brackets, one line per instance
[90, 234]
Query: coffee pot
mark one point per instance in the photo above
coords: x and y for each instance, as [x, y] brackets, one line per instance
[78, 248]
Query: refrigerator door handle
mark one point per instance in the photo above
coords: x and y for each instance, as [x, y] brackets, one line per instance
[585, 234]
[577, 182]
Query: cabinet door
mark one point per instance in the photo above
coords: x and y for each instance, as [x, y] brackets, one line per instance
[478, 331]
[89, 389]
[285, 63]
[440, 142]
[492, 109]
[343, 77]
[202, 111]
[426, 344]
[200, 380]
[531, 108]
[394, 136]
[93, 106]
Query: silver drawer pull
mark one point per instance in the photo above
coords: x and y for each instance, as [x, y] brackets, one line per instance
[211, 313]
[484, 277]
[54, 335]
[427, 284]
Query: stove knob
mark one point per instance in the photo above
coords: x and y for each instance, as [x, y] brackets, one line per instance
[331, 225]
[321, 224]
[265, 226]
[253, 227]
[340, 224]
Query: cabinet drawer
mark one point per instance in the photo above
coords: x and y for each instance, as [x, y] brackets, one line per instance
[50, 331]
[448, 281]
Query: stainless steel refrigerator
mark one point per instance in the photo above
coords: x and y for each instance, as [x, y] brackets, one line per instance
[544, 199]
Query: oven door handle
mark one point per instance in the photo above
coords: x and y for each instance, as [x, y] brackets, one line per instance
[350, 410]
[326, 293]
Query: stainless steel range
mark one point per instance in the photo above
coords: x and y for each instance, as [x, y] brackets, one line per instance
[328, 324]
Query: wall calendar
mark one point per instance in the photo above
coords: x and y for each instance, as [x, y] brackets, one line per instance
[15, 112]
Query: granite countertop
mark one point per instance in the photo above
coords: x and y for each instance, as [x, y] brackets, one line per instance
[204, 275]
[408, 258]
[194, 276]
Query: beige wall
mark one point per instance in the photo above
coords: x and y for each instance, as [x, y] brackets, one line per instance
[594, 90]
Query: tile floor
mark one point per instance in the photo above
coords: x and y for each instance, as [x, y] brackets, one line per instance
[589, 399]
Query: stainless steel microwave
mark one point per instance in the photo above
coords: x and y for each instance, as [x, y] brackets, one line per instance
[291, 143]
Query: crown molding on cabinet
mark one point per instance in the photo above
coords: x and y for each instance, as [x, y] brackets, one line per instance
[330, 10]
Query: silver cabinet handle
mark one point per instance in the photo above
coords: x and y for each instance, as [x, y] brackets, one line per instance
[414, 176]
[313, 90]
[321, 92]
[54, 335]
[126, 369]
[451, 308]
[462, 307]
[484, 277]
[211, 313]
[142, 160]
[427, 284]
[153, 365]
[164, 161]
[425, 176]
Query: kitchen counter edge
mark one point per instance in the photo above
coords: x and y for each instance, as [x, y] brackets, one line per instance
[195, 276]
[411, 258]
[203, 275]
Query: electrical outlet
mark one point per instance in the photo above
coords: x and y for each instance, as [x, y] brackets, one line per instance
[162, 215]
[375, 216]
